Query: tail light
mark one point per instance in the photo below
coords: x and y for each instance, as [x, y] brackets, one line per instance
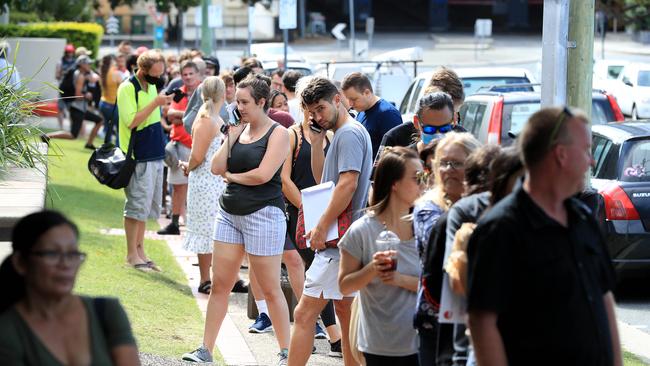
[494, 126]
[618, 114]
[618, 205]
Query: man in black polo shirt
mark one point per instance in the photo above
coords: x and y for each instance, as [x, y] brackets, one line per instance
[540, 277]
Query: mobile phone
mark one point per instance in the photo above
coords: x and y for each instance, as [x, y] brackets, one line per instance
[235, 116]
[314, 127]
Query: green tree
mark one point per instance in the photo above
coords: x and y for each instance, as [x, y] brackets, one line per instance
[63, 10]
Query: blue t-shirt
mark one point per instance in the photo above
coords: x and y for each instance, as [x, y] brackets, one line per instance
[378, 120]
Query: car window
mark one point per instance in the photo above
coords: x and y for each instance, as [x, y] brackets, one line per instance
[607, 168]
[600, 147]
[416, 96]
[515, 116]
[471, 115]
[644, 78]
[405, 100]
[613, 71]
[601, 112]
[472, 85]
[636, 162]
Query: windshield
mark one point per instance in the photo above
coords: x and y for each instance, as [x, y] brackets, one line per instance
[636, 159]
[515, 116]
[644, 78]
[472, 85]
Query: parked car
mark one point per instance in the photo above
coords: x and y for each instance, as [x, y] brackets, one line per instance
[622, 177]
[633, 90]
[274, 51]
[473, 79]
[606, 72]
[302, 67]
[496, 117]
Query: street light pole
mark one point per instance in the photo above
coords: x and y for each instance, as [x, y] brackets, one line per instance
[554, 52]
[206, 31]
[352, 45]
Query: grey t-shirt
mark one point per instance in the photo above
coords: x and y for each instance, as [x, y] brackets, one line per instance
[350, 150]
[193, 106]
[386, 312]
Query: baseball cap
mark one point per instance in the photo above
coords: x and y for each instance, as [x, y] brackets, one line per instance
[84, 59]
[69, 48]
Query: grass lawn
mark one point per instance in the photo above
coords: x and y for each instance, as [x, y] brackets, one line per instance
[631, 360]
[162, 310]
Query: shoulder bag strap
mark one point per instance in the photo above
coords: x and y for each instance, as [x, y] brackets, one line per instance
[296, 147]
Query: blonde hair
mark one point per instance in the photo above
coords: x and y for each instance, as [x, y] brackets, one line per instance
[465, 141]
[212, 92]
[149, 58]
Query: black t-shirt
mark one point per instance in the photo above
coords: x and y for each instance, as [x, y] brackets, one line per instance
[545, 281]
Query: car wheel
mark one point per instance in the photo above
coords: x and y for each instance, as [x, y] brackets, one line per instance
[635, 113]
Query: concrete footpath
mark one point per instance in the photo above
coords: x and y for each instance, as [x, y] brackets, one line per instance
[237, 346]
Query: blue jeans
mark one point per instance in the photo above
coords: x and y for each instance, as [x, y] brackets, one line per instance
[109, 128]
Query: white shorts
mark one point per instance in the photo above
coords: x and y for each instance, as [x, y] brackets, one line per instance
[322, 279]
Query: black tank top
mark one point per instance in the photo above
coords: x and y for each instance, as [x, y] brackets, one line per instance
[301, 173]
[240, 199]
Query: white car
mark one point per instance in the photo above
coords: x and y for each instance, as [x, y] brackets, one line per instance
[473, 80]
[606, 73]
[633, 90]
[274, 51]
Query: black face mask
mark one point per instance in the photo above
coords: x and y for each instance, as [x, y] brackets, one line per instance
[158, 82]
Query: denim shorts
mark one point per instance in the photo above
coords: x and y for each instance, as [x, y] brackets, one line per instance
[262, 233]
[144, 192]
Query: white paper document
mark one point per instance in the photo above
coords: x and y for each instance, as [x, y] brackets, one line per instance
[452, 306]
[314, 202]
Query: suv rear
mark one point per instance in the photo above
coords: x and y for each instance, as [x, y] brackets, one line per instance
[495, 117]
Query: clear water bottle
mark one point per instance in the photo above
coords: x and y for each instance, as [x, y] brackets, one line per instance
[388, 240]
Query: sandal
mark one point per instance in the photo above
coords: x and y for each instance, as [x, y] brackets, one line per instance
[154, 266]
[143, 267]
[205, 287]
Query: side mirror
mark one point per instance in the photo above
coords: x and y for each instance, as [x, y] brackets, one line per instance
[627, 82]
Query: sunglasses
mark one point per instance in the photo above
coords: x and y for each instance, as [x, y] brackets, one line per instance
[430, 130]
[455, 165]
[563, 116]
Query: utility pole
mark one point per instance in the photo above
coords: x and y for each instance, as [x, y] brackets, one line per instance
[554, 52]
[580, 54]
[206, 31]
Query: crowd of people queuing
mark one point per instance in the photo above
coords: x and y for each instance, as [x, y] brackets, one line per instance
[434, 216]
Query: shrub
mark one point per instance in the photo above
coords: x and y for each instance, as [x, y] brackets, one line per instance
[17, 17]
[18, 138]
[88, 35]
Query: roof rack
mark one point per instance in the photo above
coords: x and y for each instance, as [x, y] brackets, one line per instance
[495, 88]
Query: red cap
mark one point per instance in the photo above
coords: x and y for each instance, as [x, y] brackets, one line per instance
[69, 48]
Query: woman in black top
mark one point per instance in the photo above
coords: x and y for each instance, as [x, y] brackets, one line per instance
[251, 216]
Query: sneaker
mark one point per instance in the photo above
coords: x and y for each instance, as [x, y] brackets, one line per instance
[283, 357]
[239, 287]
[335, 349]
[262, 325]
[320, 333]
[170, 229]
[199, 355]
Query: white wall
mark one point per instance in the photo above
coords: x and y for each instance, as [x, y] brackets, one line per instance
[34, 54]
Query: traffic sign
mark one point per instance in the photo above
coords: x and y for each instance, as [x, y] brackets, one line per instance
[288, 14]
[112, 25]
[336, 31]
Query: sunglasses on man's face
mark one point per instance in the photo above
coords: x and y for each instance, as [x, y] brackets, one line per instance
[430, 130]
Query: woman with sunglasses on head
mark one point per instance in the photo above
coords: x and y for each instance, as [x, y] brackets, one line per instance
[387, 289]
[41, 321]
[449, 176]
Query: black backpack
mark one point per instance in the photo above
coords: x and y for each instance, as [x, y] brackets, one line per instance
[66, 87]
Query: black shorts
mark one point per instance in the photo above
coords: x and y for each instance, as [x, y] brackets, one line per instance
[77, 117]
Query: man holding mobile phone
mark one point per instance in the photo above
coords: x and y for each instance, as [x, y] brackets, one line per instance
[348, 165]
